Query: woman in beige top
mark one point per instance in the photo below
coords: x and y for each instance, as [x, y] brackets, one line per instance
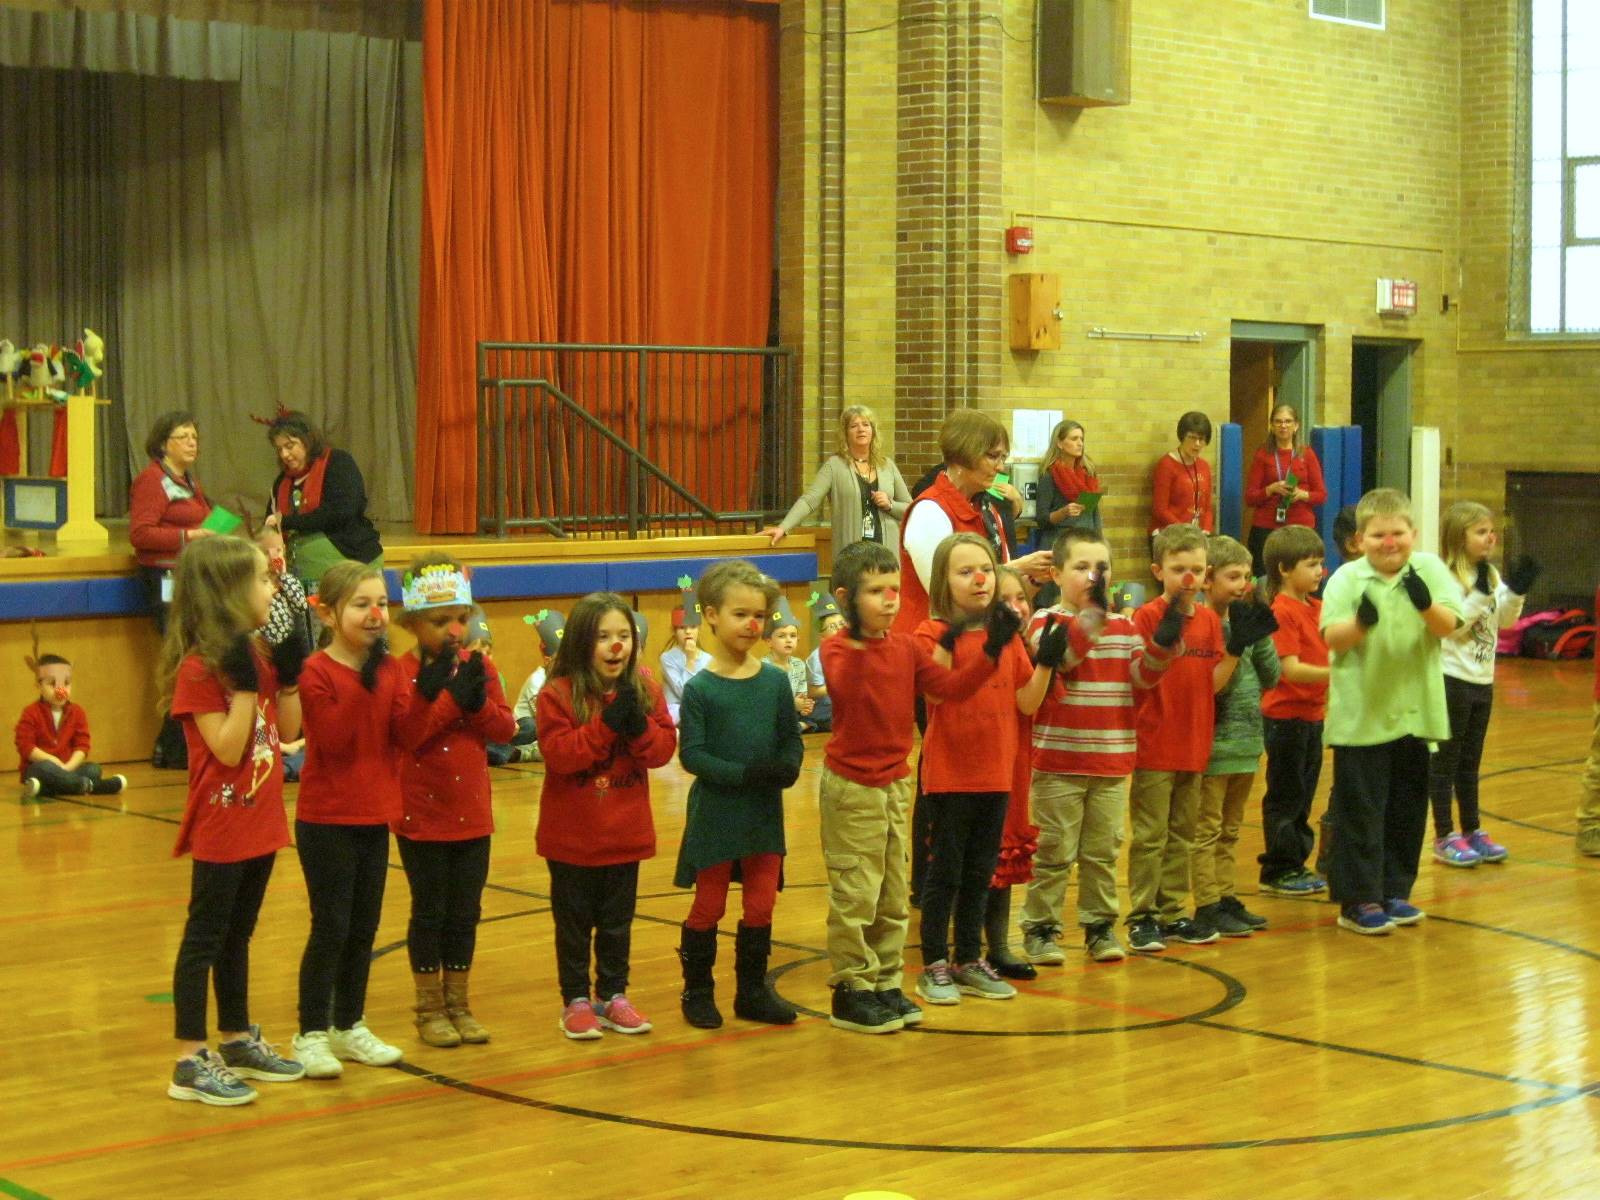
[865, 489]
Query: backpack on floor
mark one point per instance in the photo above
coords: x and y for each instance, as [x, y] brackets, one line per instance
[1568, 636]
[1510, 641]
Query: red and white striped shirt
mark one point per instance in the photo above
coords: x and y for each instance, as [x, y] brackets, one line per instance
[1086, 724]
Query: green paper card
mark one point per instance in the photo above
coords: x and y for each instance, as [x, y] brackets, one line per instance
[1090, 501]
[220, 520]
[994, 488]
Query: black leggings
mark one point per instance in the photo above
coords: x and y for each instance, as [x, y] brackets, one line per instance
[966, 829]
[224, 901]
[447, 881]
[593, 904]
[346, 867]
[1455, 766]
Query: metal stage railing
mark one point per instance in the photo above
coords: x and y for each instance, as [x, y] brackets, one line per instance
[631, 440]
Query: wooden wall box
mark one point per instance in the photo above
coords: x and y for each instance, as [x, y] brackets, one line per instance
[1034, 300]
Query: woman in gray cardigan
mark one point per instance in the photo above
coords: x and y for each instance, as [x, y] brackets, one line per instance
[867, 493]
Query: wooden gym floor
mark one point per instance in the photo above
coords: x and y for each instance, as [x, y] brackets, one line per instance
[1456, 1059]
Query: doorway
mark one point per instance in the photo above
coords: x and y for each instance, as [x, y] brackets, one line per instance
[1269, 364]
[1380, 403]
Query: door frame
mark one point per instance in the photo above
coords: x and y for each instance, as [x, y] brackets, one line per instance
[1392, 438]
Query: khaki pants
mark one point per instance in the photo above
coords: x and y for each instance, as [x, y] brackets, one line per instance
[1080, 821]
[1164, 805]
[864, 846]
[1589, 800]
[1216, 835]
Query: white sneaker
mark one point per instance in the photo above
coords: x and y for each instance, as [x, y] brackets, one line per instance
[31, 788]
[311, 1051]
[360, 1044]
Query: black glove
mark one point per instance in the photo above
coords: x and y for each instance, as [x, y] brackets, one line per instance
[1002, 625]
[1421, 597]
[1521, 574]
[1171, 627]
[1247, 624]
[288, 656]
[1097, 592]
[238, 665]
[376, 653]
[1053, 642]
[1366, 612]
[620, 714]
[769, 773]
[469, 686]
[1482, 582]
[951, 635]
[435, 673]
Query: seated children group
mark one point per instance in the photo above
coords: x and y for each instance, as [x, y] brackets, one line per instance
[1159, 720]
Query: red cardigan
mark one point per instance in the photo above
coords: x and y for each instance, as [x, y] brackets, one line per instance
[1264, 469]
[1175, 490]
[594, 809]
[161, 510]
[444, 779]
[36, 730]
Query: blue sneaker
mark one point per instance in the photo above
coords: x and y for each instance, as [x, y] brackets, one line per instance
[1300, 884]
[1402, 912]
[1487, 848]
[253, 1058]
[1368, 919]
[203, 1077]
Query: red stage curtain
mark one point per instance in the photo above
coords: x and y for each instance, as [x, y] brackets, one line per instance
[595, 172]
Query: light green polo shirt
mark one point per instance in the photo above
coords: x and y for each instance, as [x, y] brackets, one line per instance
[1391, 685]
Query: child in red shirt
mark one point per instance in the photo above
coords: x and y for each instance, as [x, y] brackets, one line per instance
[1293, 711]
[968, 789]
[231, 702]
[360, 711]
[1020, 836]
[53, 739]
[602, 724]
[445, 820]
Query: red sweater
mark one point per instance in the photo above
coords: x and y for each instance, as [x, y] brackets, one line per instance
[971, 744]
[1299, 634]
[1269, 467]
[964, 518]
[353, 742]
[233, 813]
[161, 510]
[1176, 488]
[37, 730]
[1086, 724]
[444, 779]
[1176, 720]
[594, 808]
[873, 684]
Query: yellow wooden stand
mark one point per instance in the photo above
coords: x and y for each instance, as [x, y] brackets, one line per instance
[81, 534]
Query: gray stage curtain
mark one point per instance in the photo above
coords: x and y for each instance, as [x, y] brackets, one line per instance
[257, 244]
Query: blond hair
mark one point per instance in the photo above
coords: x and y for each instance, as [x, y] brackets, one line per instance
[210, 605]
[941, 603]
[1383, 502]
[730, 573]
[1055, 454]
[875, 454]
[1458, 518]
[1224, 551]
[967, 435]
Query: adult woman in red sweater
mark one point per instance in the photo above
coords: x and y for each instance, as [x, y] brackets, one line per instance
[1182, 487]
[603, 724]
[165, 510]
[1284, 483]
[445, 821]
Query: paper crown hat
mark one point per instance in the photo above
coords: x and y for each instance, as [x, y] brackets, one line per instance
[551, 625]
[641, 629]
[438, 585]
[478, 628]
[822, 604]
[781, 616]
[687, 614]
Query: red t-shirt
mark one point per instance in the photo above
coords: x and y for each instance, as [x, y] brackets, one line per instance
[594, 808]
[444, 776]
[233, 813]
[971, 745]
[355, 740]
[1176, 719]
[1299, 634]
[37, 730]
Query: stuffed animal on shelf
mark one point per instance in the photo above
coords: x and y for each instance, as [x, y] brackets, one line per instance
[10, 359]
[39, 368]
[92, 349]
[80, 374]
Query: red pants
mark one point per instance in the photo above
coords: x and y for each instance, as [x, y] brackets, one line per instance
[760, 876]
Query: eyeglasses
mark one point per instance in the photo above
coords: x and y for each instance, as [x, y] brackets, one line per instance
[191, 436]
[998, 457]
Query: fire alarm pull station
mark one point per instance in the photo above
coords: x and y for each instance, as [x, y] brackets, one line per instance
[1019, 239]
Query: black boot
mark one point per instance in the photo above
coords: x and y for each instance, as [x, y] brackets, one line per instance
[697, 950]
[754, 1000]
[997, 933]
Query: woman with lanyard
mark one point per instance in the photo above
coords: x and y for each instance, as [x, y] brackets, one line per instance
[1183, 479]
[866, 490]
[1284, 484]
[319, 501]
[1069, 487]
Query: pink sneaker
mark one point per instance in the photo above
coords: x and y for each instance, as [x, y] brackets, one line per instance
[578, 1021]
[622, 1017]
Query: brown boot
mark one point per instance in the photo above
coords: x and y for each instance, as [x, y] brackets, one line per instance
[455, 1003]
[433, 1026]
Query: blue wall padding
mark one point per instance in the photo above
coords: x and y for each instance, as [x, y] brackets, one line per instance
[1230, 482]
[1352, 463]
[1327, 442]
[125, 595]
